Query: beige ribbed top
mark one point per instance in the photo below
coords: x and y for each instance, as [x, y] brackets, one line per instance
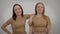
[40, 24]
[18, 26]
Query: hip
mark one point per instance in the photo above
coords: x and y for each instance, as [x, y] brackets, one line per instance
[40, 33]
[19, 33]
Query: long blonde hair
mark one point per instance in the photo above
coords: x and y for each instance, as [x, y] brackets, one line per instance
[44, 16]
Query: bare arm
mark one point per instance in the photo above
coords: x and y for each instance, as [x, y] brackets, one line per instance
[5, 25]
[28, 15]
[30, 25]
[49, 25]
[30, 29]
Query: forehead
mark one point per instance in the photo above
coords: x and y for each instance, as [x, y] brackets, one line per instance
[40, 5]
[17, 6]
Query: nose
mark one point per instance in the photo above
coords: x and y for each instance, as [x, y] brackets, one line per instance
[18, 10]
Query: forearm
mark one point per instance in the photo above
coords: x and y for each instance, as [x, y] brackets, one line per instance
[48, 30]
[6, 30]
[30, 30]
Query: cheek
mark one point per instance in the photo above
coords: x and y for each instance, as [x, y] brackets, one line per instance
[42, 9]
[38, 9]
[20, 11]
[15, 12]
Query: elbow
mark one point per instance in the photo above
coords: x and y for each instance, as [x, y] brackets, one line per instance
[30, 24]
[2, 27]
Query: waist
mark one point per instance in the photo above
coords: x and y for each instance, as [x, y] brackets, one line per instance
[19, 33]
[39, 29]
[19, 30]
[39, 33]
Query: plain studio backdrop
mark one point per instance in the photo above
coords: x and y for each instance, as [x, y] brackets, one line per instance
[51, 9]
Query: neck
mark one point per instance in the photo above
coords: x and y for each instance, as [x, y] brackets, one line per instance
[18, 16]
[39, 15]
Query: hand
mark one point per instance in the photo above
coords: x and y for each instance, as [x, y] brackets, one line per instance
[9, 33]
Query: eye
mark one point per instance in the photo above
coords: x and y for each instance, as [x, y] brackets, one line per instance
[18, 8]
[38, 7]
[41, 7]
[15, 9]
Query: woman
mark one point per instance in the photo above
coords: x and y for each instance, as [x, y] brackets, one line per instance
[17, 21]
[39, 23]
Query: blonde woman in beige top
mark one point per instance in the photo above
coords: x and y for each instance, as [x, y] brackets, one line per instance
[39, 23]
[17, 21]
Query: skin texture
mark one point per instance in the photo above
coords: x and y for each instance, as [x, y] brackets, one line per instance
[40, 23]
[18, 25]
[17, 10]
[39, 8]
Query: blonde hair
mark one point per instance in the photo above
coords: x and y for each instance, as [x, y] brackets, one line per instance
[44, 16]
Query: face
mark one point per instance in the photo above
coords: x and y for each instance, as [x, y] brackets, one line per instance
[39, 9]
[17, 10]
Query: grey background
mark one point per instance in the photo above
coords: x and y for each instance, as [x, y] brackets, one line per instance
[52, 9]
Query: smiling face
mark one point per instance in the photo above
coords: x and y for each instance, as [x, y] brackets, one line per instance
[39, 8]
[17, 10]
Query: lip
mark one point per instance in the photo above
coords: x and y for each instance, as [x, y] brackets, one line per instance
[18, 12]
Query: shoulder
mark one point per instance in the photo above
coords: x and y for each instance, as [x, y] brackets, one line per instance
[47, 17]
[26, 14]
[32, 14]
[10, 19]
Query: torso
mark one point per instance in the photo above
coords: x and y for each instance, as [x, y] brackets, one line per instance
[39, 24]
[18, 26]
